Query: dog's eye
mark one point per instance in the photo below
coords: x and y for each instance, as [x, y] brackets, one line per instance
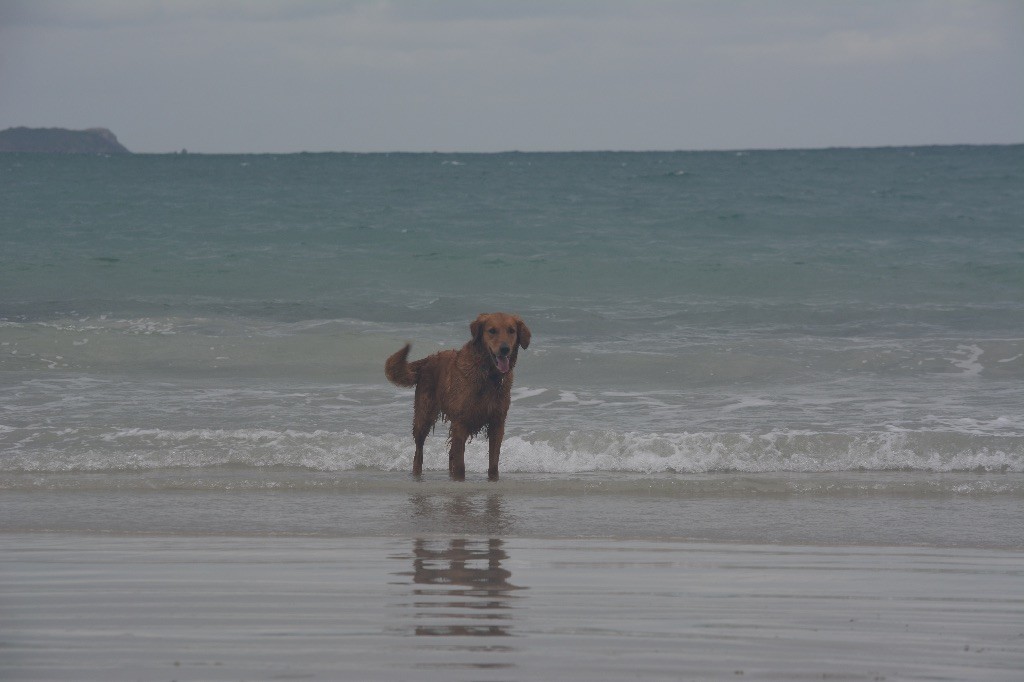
[512, 331]
[492, 331]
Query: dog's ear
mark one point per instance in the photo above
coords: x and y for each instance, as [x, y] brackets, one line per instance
[523, 333]
[476, 327]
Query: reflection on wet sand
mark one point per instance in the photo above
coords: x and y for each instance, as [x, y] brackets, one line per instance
[461, 588]
[465, 514]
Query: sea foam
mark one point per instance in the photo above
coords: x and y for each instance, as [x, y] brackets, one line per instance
[569, 452]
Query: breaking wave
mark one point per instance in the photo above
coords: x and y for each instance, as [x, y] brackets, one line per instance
[87, 450]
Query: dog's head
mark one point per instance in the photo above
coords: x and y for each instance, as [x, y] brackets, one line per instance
[501, 336]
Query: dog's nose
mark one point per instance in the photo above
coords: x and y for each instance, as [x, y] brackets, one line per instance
[505, 349]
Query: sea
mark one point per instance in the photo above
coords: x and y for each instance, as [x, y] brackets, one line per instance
[809, 346]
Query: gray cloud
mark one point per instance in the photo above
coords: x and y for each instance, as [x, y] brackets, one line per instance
[245, 75]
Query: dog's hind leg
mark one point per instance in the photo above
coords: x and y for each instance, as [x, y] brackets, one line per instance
[425, 415]
[419, 434]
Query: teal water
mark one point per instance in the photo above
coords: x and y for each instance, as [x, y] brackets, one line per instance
[375, 236]
[786, 312]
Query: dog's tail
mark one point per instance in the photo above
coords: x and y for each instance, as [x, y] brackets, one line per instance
[399, 371]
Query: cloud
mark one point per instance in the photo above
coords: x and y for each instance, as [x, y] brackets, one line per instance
[256, 75]
[924, 38]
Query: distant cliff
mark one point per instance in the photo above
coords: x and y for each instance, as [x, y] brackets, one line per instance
[60, 141]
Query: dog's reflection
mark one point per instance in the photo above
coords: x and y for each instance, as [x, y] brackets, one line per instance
[461, 513]
[462, 588]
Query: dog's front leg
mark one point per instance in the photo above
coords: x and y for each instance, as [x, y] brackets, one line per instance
[495, 434]
[457, 436]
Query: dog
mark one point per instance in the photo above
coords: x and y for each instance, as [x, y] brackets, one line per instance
[470, 388]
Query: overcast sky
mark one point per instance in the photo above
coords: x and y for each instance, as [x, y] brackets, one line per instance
[486, 75]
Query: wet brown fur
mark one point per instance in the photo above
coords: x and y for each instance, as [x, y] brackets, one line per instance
[465, 387]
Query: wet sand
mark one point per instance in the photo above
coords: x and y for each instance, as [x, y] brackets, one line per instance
[81, 606]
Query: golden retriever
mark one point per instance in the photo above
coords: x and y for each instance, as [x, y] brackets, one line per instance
[470, 388]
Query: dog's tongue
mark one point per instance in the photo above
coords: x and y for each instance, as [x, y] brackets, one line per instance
[502, 363]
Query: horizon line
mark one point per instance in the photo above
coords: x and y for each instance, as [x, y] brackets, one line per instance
[725, 150]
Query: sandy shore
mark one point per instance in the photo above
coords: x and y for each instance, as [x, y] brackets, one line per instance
[148, 607]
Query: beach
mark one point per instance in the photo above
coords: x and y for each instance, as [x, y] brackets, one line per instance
[518, 580]
[158, 607]
[769, 424]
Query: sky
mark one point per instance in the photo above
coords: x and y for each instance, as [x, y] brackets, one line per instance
[252, 76]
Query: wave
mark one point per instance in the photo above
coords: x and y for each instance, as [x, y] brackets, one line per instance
[651, 341]
[96, 449]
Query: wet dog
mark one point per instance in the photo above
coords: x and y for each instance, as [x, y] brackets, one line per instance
[470, 388]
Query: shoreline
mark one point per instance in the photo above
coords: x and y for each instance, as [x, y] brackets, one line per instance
[374, 505]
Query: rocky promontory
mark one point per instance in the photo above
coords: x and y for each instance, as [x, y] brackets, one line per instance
[60, 141]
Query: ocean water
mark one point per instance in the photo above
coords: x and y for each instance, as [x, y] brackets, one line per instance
[825, 327]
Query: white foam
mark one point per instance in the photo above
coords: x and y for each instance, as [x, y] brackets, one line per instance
[95, 449]
[969, 363]
[523, 393]
[747, 402]
[779, 451]
[968, 425]
[571, 398]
